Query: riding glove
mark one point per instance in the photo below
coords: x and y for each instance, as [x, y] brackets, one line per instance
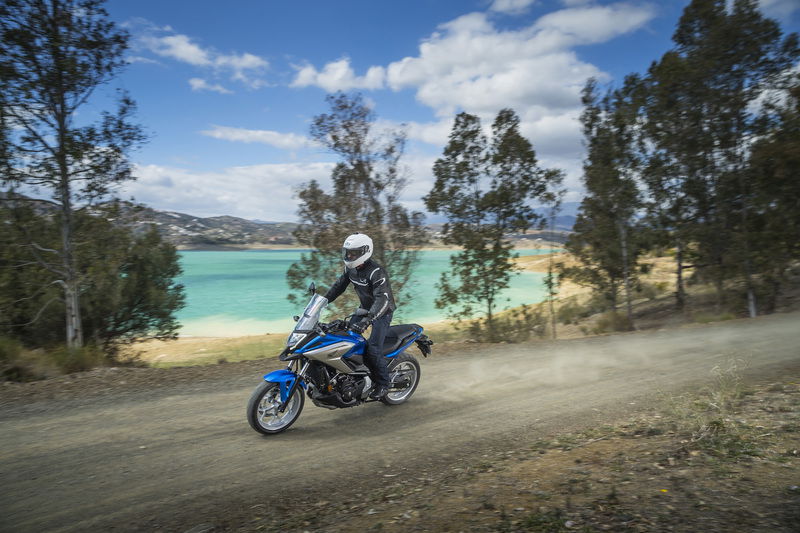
[361, 326]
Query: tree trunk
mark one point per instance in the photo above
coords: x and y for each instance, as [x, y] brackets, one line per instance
[748, 268]
[74, 329]
[775, 283]
[490, 323]
[551, 297]
[623, 236]
[751, 297]
[719, 288]
[680, 295]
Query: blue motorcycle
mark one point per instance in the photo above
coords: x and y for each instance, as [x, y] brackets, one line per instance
[326, 363]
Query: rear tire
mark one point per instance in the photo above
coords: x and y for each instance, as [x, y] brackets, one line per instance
[400, 367]
[262, 408]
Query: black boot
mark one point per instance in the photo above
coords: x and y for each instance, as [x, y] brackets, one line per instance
[378, 392]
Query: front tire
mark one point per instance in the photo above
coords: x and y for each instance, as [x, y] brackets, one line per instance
[262, 408]
[403, 367]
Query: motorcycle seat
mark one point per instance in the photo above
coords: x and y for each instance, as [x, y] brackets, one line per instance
[399, 335]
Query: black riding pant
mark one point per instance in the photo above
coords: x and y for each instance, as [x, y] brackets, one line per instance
[377, 363]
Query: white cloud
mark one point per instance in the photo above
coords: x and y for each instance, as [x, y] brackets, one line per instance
[511, 7]
[469, 64]
[199, 84]
[339, 76]
[594, 24]
[246, 68]
[780, 9]
[179, 47]
[140, 59]
[264, 192]
[435, 133]
[574, 3]
[287, 141]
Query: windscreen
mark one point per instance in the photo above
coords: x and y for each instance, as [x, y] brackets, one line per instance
[311, 313]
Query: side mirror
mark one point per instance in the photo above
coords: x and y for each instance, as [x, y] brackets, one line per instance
[312, 288]
[296, 318]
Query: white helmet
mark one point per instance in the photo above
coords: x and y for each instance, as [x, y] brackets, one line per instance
[357, 248]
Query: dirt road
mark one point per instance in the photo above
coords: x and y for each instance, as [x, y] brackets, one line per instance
[182, 456]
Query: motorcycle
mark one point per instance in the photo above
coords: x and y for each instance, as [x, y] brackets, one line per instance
[326, 361]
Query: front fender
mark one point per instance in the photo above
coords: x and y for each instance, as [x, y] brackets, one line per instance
[285, 379]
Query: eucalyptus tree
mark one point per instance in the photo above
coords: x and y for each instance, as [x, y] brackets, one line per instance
[553, 201]
[774, 175]
[366, 184]
[604, 236]
[700, 102]
[485, 188]
[54, 55]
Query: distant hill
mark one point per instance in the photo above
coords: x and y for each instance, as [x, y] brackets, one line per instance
[566, 215]
[193, 232]
[188, 231]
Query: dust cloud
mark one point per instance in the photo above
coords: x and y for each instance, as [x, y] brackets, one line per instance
[691, 355]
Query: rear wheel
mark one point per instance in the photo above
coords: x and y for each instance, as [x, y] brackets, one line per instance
[263, 408]
[404, 373]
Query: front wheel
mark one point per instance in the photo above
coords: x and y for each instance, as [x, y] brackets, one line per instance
[263, 408]
[404, 373]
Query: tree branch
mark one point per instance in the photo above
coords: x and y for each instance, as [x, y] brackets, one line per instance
[38, 314]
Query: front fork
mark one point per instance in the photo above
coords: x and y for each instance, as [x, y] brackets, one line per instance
[300, 375]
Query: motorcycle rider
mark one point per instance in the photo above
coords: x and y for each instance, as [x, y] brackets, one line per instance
[371, 283]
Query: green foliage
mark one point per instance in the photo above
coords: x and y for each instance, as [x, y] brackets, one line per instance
[515, 325]
[698, 101]
[10, 352]
[484, 188]
[127, 282]
[707, 318]
[651, 291]
[366, 186]
[571, 311]
[549, 521]
[71, 360]
[53, 55]
[604, 236]
[611, 321]
[10, 349]
[774, 174]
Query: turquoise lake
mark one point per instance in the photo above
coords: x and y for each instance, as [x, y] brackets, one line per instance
[244, 292]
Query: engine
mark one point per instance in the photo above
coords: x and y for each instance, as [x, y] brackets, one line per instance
[343, 390]
[347, 387]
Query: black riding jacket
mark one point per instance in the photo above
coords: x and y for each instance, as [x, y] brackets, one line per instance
[372, 286]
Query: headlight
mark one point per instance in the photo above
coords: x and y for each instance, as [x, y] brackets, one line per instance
[294, 338]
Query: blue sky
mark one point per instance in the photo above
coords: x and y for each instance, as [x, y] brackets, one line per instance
[227, 91]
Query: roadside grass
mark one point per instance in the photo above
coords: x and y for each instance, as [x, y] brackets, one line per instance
[20, 364]
[707, 318]
[709, 422]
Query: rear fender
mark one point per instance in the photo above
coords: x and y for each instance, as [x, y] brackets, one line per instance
[285, 379]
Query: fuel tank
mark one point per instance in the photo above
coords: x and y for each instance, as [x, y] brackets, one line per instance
[331, 352]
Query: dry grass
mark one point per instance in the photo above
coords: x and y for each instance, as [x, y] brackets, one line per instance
[210, 350]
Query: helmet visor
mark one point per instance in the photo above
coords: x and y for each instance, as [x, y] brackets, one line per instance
[351, 254]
